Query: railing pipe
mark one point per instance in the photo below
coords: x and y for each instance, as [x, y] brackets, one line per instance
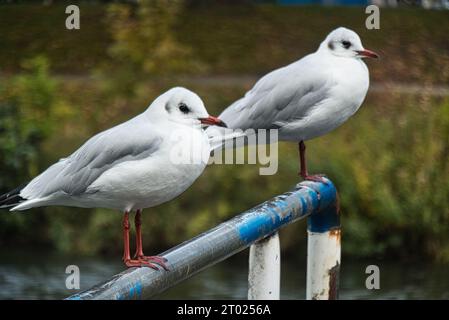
[217, 244]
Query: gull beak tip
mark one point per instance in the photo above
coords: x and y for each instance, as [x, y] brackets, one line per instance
[367, 54]
[213, 121]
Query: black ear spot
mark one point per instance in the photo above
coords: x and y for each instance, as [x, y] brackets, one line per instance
[183, 108]
[330, 45]
[167, 107]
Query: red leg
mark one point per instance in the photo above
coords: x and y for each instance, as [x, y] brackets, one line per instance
[139, 248]
[126, 253]
[303, 166]
[138, 224]
[302, 160]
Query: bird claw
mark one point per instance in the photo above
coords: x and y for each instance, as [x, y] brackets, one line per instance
[138, 263]
[153, 262]
[316, 178]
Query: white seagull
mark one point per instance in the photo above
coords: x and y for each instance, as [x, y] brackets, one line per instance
[309, 97]
[128, 167]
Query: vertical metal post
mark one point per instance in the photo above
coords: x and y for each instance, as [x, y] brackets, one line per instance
[323, 254]
[264, 269]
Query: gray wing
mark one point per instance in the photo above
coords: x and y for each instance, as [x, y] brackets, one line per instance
[282, 96]
[132, 140]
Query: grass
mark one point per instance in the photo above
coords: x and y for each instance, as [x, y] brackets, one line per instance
[239, 39]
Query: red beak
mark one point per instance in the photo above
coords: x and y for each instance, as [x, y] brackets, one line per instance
[367, 54]
[213, 121]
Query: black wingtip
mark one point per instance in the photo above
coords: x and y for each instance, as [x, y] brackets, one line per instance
[12, 198]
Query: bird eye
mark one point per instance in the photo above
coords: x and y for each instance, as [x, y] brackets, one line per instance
[183, 107]
[346, 44]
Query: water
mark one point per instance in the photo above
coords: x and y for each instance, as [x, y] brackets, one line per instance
[35, 275]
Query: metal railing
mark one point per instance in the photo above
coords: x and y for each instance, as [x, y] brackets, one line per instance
[257, 228]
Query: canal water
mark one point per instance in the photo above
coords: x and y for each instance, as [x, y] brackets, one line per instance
[34, 275]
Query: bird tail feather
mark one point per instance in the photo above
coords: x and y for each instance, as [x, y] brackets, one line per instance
[220, 139]
[232, 138]
[32, 203]
[12, 198]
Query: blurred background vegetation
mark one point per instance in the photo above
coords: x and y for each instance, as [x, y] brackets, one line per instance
[389, 162]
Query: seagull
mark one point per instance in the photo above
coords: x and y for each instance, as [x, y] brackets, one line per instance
[128, 167]
[309, 97]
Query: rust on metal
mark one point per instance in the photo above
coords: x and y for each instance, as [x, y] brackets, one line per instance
[336, 233]
[334, 281]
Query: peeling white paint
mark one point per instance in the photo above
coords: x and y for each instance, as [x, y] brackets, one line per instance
[323, 254]
[264, 269]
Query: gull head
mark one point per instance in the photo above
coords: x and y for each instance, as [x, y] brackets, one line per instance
[182, 106]
[343, 42]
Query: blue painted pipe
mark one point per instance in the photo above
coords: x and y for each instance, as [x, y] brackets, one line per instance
[308, 198]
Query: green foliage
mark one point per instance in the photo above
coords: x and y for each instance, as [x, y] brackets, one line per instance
[144, 37]
[27, 114]
[28, 111]
[145, 45]
[395, 187]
